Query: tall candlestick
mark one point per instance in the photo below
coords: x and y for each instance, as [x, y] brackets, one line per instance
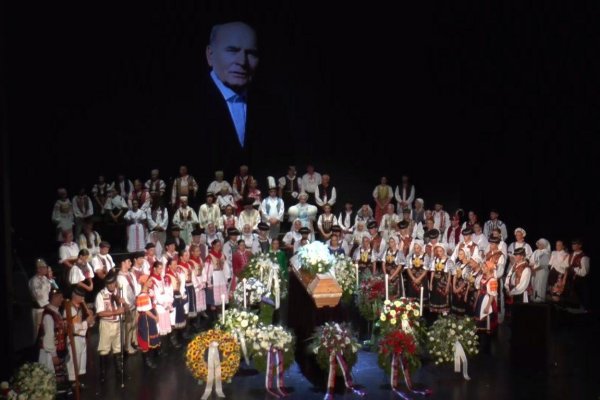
[357, 283]
[387, 293]
[244, 281]
[223, 308]
[421, 302]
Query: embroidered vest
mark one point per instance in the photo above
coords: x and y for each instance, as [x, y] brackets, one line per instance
[60, 332]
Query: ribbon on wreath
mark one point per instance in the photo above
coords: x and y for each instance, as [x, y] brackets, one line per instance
[399, 364]
[241, 338]
[346, 373]
[460, 357]
[273, 283]
[275, 371]
[214, 372]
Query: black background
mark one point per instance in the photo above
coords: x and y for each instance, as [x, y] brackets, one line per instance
[484, 105]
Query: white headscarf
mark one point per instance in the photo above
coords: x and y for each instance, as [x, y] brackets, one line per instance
[546, 246]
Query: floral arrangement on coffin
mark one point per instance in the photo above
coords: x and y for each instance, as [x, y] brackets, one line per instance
[344, 272]
[228, 349]
[32, 381]
[451, 339]
[265, 268]
[239, 323]
[255, 290]
[315, 258]
[371, 294]
[336, 338]
[272, 352]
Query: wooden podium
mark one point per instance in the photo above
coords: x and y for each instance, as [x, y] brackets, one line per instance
[323, 289]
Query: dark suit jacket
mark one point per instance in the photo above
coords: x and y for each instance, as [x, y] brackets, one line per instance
[205, 138]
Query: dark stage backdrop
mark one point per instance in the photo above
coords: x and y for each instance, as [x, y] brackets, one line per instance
[483, 105]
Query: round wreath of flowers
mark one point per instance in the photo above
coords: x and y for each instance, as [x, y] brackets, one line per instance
[334, 337]
[229, 354]
[345, 275]
[266, 336]
[255, 290]
[259, 268]
[446, 331]
[31, 381]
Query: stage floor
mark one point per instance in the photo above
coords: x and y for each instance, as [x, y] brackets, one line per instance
[571, 373]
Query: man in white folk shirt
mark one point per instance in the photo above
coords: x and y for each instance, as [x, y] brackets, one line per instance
[290, 186]
[210, 213]
[122, 185]
[131, 288]
[579, 270]
[39, 288]
[68, 251]
[155, 184]
[452, 235]
[239, 184]
[139, 193]
[404, 194]
[415, 228]
[82, 274]
[325, 193]
[184, 185]
[62, 214]
[467, 243]
[272, 207]
[518, 280]
[110, 308]
[82, 210]
[103, 262]
[89, 238]
[218, 184]
[346, 220]
[310, 180]
[441, 219]
[494, 223]
[249, 216]
[388, 222]
[186, 219]
[77, 315]
[479, 238]
[157, 217]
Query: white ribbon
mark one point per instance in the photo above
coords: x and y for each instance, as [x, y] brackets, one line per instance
[406, 326]
[214, 372]
[460, 356]
[242, 340]
[273, 282]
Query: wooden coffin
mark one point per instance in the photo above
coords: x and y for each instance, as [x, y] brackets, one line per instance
[323, 289]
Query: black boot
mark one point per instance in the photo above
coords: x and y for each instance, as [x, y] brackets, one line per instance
[163, 350]
[187, 332]
[103, 365]
[174, 340]
[148, 362]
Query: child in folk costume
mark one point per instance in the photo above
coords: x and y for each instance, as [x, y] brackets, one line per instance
[559, 263]
[262, 244]
[460, 282]
[326, 222]
[334, 245]
[199, 279]
[539, 262]
[230, 220]
[518, 280]
[175, 283]
[163, 303]
[147, 322]
[219, 274]
[393, 264]
[239, 260]
[405, 238]
[186, 272]
[363, 256]
[418, 271]
[432, 237]
[440, 280]
[383, 195]
[486, 306]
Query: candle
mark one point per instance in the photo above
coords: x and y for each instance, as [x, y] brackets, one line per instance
[357, 283]
[244, 281]
[421, 302]
[387, 293]
[223, 308]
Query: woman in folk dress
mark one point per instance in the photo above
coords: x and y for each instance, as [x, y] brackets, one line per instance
[221, 272]
[198, 278]
[439, 282]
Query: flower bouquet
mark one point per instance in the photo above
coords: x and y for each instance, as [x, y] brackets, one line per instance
[221, 348]
[315, 258]
[238, 323]
[31, 381]
[371, 294]
[345, 275]
[265, 269]
[452, 338]
[255, 291]
[333, 344]
[272, 352]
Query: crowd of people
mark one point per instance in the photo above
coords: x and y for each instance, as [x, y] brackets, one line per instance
[186, 247]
